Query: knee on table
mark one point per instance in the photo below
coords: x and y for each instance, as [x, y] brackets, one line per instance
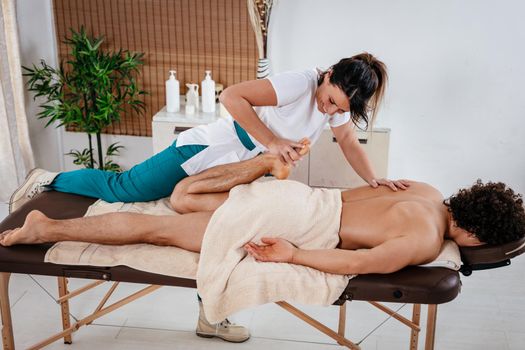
[179, 198]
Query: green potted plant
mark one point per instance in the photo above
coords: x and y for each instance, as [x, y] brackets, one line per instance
[89, 95]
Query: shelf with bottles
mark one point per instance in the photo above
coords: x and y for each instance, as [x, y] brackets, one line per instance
[197, 118]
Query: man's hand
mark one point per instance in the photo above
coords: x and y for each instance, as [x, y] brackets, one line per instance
[392, 184]
[273, 250]
[287, 150]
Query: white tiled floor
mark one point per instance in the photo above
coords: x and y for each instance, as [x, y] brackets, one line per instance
[488, 314]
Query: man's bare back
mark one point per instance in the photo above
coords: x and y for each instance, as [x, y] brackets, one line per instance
[370, 217]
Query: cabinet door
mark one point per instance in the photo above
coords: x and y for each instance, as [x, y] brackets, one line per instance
[329, 168]
[164, 133]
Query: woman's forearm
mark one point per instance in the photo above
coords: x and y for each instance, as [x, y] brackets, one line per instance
[358, 160]
[242, 111]
[239, 100]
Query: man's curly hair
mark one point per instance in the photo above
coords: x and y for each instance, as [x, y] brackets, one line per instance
[491, 211]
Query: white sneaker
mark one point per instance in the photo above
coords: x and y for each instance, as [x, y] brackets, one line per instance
[224, 330]
[33, 185]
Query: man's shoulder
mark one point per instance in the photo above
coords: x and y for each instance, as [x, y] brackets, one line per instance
[425, 190]
[415, 212]
[421, 226]
[423, 222]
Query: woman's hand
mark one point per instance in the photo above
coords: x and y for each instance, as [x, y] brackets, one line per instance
[392, 184]
[287, 150]
[273, 250]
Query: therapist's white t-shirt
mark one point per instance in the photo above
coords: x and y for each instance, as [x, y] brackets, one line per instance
[295, 116]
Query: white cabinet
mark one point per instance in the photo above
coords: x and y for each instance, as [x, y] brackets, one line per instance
[324, 166]
[166, 126]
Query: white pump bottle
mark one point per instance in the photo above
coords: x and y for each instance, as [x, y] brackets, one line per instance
[208, 93]
[172, 93]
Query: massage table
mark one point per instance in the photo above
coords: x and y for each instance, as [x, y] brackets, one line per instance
[414, 285]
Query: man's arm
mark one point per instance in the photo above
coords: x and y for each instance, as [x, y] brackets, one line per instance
[388, 257]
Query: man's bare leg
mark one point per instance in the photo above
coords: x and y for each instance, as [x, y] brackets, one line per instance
[223, 178]
[184, 231]
[208, 190]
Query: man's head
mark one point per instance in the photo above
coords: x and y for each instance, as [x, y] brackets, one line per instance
[491, 213]
[360, 83]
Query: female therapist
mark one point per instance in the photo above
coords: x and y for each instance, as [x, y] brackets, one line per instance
[269, 115]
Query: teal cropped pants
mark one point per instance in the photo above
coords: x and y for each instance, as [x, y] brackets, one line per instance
[152, 179]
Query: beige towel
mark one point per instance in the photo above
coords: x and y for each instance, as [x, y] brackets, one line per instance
[449, 256]
[171, 261]
[229, 280]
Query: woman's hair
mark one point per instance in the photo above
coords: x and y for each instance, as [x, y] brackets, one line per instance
[363, 79]
[492, 212]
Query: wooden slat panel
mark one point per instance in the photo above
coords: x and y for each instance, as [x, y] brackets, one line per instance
[190, 36]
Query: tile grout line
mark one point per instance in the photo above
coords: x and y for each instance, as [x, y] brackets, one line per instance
[18, 299]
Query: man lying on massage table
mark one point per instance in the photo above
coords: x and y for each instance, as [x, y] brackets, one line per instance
[398, 228]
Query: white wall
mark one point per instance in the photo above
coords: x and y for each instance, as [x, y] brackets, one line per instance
[455, 101]
[136, 148]
[37, 42]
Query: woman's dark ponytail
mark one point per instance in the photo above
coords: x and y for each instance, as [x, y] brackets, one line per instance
[363, 79]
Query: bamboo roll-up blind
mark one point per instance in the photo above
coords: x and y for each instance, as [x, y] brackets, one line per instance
[189, 36]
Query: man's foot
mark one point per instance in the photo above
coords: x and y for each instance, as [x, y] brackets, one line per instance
[34, 183]
[281, 170]
[276, 167]
[224, 330]
[306, 142]
[30, 233]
